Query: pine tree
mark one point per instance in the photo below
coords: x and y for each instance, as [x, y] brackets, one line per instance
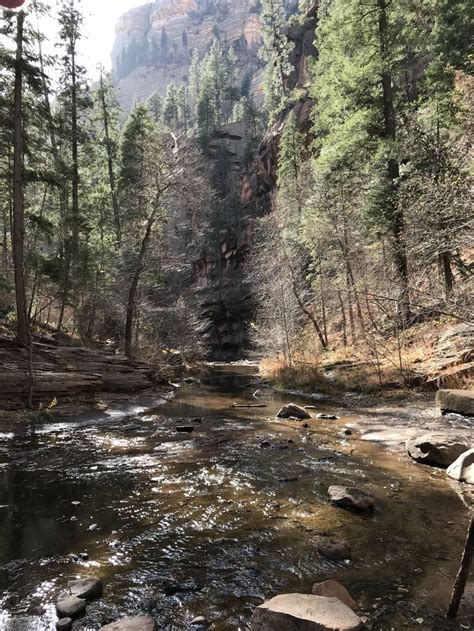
[184, 111]
[275, 52]
[170, 107]
[155, 105]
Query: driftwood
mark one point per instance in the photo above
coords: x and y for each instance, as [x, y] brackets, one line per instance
[249, 405]
[463, 573]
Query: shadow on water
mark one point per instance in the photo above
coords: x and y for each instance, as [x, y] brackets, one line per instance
[210, 523]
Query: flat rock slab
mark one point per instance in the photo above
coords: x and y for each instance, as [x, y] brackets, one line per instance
[350, 498]
[70, 607]
[438, 448]
[334, 589]
[304, 612]
[293, 411]
[462, 469]
[459, 401]
[136, 623]
[88, 587]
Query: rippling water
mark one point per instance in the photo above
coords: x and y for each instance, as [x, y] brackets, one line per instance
[211, 523]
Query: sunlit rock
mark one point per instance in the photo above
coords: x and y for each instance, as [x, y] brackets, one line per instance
[438, 448]
[350, 497]
[304, 612]
[462, 469]
[293, 411]
[334, 589]
[70, 607]
[135, 623]
[88, 587]
[459, 401]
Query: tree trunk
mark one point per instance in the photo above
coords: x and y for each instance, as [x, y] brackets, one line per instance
[132, 293]
[462, 576]
[393, 169]
[75, 157]
[18, 232]
[448, 276]
[110, 163]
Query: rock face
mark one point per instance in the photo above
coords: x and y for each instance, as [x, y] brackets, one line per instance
[459, 401]
[304, 612]
[351, 498]
[462, 469]
[293, 411]
[154, 42]
[438, 448]
[136, 623]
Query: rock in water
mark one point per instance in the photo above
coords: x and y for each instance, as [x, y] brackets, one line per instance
[438, 448]
[70, 607]
[462, 469]
[88, 587]
[334, 550]
[334, 589]
[459, 401]
[351, 498]
[327, 417]
[136, 623]
[293, 411]
[185, 429]
[304, 612]
[64, 624]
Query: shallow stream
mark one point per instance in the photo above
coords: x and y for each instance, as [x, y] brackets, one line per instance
[212, 522]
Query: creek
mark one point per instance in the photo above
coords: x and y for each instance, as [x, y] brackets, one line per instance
[212, 522]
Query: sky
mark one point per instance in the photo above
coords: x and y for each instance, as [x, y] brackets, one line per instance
[100, 18]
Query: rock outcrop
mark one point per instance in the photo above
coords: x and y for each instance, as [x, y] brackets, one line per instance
[459, 401]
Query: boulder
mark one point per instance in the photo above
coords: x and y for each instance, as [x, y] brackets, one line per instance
[88, 587]
[70, 607]
[438, 448]
[334, 550]
[135, 623]
[293, 411]
[462, 469]
[304, 612]
[351, 498]
[64, 624]
[327, 417]
[459, 401]
[334, 589]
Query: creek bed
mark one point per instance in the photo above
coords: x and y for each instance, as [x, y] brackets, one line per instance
[211, 523]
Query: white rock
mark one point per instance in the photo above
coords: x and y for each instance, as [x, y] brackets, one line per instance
[462, 469]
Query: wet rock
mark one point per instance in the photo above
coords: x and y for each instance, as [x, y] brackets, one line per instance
[438, 448]
[459, 401]
[334, 589]
[334, 550]
[64, 624]
[293, 479]
[265, 444]
[185, 429]
[462, 469]
[347, 432]
[327, 417]
[304, 612]
[305, 425]
[200, 621]
[36, 610]
[70, 607]
[83, 556]
[350, 498]
[293, 411]
[88, 587]
[135, 623]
